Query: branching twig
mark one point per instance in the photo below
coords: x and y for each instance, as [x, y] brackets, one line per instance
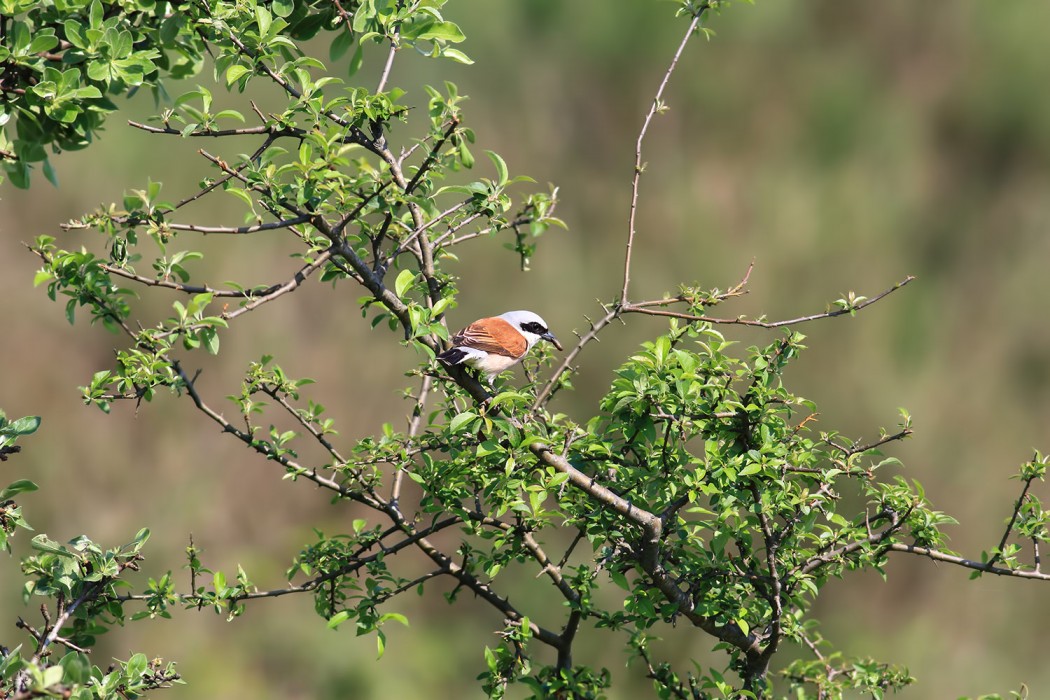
[264, 448]
[1013, 519]
[855, 449]
[827, 554]
[227, 177]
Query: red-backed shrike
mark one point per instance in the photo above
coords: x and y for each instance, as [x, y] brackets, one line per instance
[494, 344]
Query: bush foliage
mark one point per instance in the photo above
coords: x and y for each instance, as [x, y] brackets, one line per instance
[699, 493]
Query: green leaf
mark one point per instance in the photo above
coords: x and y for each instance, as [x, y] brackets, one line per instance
[338, 619]
[211, 341]
[230, 114]
[95, 15]
[340, 45]
[458, 56]
[137, 665]
[443, 31]
[750, 469]
[49, 172]
[264, 18]
[357, 60]
[234, 72]
[43, 42]
[403, 282]
[23, 426]
[441, 306]
[43, 543]
[462, 419]
[20, 486]
[396, 617]
[501, 167]
[141, 537]
[52, 676]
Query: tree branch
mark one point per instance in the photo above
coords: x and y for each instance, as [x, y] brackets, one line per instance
[986, 568]
[642, 309]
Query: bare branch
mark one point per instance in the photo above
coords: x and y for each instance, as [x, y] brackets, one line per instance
[656, 105]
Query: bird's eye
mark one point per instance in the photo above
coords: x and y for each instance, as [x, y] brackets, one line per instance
[533, 327]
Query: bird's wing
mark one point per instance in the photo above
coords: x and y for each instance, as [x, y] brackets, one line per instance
[492, 335]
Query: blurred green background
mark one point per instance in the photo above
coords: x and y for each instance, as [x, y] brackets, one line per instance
[839, 145]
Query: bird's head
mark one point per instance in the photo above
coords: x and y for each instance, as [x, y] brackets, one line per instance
[531, 326]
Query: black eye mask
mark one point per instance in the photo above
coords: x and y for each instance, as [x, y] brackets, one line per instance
[533, 327]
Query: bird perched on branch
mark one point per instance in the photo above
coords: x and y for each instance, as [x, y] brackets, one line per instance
[494, 344]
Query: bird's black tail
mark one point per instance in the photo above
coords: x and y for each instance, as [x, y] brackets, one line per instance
[452, 356]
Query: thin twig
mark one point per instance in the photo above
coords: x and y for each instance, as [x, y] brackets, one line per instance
[253, 228]
[273, 131]
[596, 327]
[188, 288]
[850, 451]
[387, 66]
[613, 313]
[693, 318]
[403, 246]
[414, 424]
[227, 177]
[983, 567]
[280, 290]
[638, 167]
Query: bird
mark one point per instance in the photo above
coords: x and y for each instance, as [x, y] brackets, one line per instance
[494, 344]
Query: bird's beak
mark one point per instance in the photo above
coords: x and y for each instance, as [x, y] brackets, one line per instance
[548, 336]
